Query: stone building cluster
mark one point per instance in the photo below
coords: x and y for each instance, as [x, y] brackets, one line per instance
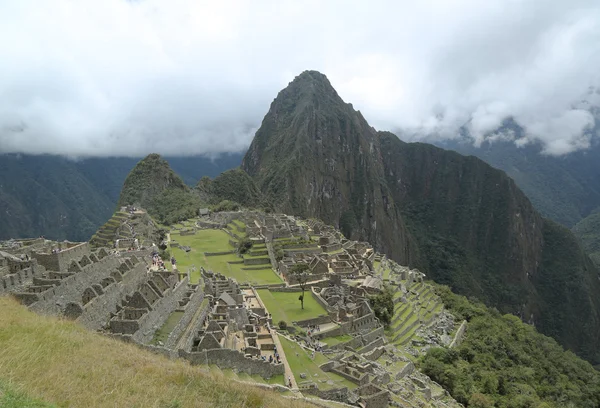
[222, 322]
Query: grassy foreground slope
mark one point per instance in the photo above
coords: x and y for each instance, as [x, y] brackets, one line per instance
[61, 363]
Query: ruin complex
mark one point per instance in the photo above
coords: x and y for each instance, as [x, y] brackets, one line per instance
[111, 286]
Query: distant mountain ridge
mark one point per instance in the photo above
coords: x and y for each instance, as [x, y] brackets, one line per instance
[458, 219]
[66, 199]
[565, 189]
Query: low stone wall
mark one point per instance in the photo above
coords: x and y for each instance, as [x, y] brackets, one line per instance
[210, 225]
[287, 289]
[227, 358]
[161, 310]
[334, 394]
[459, 335]
[314, 251]
[257, 268]
[187, 232]
[190, 311]
[373, 335]
[97, 312]
[408, 369]
[219, 253]
[257, 261]
[292, 280]
[375, 354]
[320, 300]
[372, 345]
[317, 320]
[307, 246]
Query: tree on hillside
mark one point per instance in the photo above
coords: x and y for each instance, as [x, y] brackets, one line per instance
[383, 305]
[300, 272]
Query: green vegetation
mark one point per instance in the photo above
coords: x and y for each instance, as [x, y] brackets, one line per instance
[588, 232]
[563, 188]
[383, 305]
[231, 265]
[64, 364]
[301, 362]
[332, 341]
[13, 398]
[284, 306]
[233, 185]
[154, 186]
[300, 272]
[163, 333]
[503, 362]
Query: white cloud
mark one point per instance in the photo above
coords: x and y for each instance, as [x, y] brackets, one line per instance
[110, 77]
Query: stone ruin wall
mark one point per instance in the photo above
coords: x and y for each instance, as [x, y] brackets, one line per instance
[227, 358]
[188, 339]
[190, 311]
[160, 312]
[9, 283]
[60, 261]
[97, 311]
[72, 287]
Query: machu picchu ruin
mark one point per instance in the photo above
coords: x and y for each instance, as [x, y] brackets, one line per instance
[228, 300]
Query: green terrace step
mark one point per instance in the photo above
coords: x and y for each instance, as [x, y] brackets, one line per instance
[403, 312]
[407, 328]
[400, 321]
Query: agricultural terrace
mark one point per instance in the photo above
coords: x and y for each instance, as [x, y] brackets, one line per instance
[286, 306]
[230, 265]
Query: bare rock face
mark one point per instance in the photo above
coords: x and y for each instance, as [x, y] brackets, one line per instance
[457, 219]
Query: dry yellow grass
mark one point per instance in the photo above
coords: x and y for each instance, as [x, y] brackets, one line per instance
[62, 363]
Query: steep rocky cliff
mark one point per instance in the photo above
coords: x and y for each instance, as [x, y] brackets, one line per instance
[314, 155]
[460, 220]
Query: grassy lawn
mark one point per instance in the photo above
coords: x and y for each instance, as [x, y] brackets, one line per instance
[332, 341]
[302, 363]
[286, 306]
[263, 276]
[163, 333]
[208, 240]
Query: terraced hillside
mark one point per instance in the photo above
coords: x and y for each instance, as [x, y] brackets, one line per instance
[127, 227]
[108, 232]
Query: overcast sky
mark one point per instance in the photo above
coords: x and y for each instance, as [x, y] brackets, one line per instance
[178, 77]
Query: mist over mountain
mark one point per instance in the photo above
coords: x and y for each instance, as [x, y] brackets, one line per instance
[128, 78]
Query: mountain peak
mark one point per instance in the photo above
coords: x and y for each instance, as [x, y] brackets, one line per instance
[149, 178]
